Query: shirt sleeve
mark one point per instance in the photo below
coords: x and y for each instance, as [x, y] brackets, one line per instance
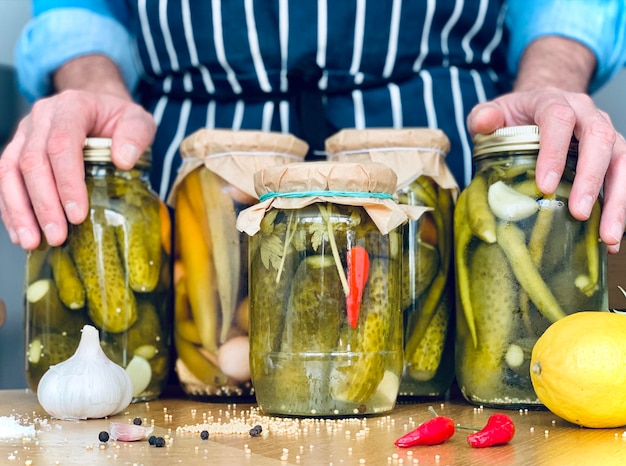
[598, 24]
[56, 35]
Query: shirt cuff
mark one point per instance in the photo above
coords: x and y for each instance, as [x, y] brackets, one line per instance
[600, 25]
[59, 35]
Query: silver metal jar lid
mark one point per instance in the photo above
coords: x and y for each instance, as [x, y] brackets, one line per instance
[99, 150]
[508, 139]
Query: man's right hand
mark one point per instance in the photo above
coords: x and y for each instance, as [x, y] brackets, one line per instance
[42, 184]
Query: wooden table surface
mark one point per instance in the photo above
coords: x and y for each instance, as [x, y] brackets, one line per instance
[541, 437]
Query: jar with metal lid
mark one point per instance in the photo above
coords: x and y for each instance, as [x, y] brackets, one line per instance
[522, 263]
[325, 257]
[417, 155]
[112, 272]
[214, 183]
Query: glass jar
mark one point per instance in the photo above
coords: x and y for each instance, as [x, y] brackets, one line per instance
[417, 155]
[213, 185]
[522, 263]
[112, 272]
[325, 321]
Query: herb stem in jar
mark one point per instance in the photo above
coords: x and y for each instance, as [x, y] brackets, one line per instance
[289, 234]
[333, 246]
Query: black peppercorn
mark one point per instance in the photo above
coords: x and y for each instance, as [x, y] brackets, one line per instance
[152, 439]
[159, 442]
[103, 436]
[137, 421]
[204, 435]
[256, 431]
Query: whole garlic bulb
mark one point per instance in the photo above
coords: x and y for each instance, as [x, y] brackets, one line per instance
[87, 385]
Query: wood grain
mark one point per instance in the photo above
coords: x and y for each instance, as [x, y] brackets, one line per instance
[541, 438]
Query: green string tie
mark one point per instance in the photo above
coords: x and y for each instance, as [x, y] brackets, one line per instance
[299, 194]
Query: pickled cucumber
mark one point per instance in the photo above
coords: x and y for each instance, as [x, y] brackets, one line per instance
[424, 361]
[419, 269]
[45, 309]
[71, 289]
[315, 307]
[266, 308]
[494, 296]
[36, 262]
[111, 303]
[47, 349]
[356, 376]
[143, 338]
[140, 245]
[441, 283]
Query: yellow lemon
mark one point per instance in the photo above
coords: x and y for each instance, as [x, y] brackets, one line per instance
[578, 369]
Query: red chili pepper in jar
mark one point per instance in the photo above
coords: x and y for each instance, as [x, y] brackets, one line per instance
[498, 431]
[432, 432]
[358, 270]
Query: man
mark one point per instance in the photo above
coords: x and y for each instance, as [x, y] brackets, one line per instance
[309, 68]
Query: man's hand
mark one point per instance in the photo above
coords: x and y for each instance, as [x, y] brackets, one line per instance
[553, 96]
[42, 183]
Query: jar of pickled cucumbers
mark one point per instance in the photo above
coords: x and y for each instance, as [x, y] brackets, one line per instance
[112, 272]
[216, 182]
[417, 155]
[522, 262]
[324, 279]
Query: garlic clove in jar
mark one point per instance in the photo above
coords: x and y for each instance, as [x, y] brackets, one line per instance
[87, 385]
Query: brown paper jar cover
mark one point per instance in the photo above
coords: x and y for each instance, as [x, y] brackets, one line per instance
[411, 152]
[320, 182]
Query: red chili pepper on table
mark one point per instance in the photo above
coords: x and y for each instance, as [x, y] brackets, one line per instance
[498, 431]
[432, 432]
[358, 270]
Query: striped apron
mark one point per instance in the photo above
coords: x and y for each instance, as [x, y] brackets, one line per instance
[311, 68]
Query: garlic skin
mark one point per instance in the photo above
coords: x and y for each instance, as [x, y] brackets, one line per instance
[88, 385]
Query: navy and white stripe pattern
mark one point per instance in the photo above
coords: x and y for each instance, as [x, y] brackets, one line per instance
[393, 63]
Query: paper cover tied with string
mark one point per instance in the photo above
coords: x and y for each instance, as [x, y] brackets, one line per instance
[214, 183]
[411, 152]
[368, 184]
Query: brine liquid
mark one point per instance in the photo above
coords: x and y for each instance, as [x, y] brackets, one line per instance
[319, 384]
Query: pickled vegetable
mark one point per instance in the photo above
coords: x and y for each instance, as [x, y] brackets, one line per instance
[424, 266]
[71, 290]
[46, 309]
[493, 294]
[425, 360]
[140, 246]
[194, 253]
[313, 307]
[46, 349]
[356, 378]
[481, 219]
[225, 241]
[112, 305]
